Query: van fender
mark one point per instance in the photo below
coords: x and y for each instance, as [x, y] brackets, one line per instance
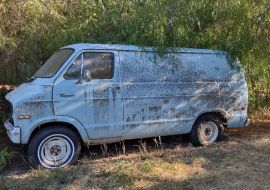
[199, 114]
[60, 119]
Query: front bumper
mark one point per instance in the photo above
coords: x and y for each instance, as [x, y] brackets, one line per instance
[247, 122]
[14, 133]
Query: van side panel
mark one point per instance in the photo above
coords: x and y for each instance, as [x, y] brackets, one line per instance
[163, 95]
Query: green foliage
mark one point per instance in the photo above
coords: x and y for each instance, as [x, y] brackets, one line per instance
[3, 107]
[32, 30]
[5, 156]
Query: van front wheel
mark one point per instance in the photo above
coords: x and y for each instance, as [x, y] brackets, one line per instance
[54, 147]
[206, 130]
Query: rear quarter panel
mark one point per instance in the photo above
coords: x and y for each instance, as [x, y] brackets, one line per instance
[163, 95]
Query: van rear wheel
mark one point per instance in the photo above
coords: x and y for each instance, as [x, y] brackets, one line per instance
[54, 147]
[207, 130]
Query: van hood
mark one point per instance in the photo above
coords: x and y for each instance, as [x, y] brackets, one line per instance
[32, 100]
[30, 92]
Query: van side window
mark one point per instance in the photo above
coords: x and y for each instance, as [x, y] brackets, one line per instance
[100, 65]
[74, 72]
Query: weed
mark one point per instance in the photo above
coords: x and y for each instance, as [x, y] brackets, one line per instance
[5, 156]
[121, 178]
[147, 165]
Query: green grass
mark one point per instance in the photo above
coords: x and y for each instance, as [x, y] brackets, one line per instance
[5, 153]
[5, 156]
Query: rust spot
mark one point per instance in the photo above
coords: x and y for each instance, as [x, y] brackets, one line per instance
[178, 114]
[114, 93]
[132, 125]
[133, 117]
[100, 108]
[166, 101]
[217, 68]
[173, 110]
[128, 119]
[85, 95]
[101, 93]
[154, 109]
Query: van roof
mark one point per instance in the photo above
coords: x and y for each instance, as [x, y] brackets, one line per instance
[120, 47]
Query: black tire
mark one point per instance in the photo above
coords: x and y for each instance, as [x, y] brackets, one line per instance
[198, 136]
[39, 144]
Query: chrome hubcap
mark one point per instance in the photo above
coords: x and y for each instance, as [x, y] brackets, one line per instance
[55, 151]
[208, 132]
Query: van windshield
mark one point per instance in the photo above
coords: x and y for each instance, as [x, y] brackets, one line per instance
[53, 64]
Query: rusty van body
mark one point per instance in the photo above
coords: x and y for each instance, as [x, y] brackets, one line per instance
[98, 93]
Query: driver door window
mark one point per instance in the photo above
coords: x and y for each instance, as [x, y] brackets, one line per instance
[99, 64]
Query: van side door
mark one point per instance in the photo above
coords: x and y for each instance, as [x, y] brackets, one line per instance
[153, 96]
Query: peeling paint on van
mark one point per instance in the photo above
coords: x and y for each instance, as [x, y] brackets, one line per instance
[149, 95]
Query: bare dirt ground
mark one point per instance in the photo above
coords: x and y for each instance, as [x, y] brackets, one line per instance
[241, 161]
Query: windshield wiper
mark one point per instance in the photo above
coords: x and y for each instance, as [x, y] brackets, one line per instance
[30, 79]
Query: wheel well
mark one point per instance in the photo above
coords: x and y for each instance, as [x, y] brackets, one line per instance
[220, 115]
[62, 124]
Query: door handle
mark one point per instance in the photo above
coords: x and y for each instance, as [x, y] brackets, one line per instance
[67, 95]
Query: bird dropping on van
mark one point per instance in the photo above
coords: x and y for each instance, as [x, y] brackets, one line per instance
[100, 93]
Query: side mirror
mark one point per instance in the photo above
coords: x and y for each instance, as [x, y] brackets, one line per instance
[41, 62]
[86, 76]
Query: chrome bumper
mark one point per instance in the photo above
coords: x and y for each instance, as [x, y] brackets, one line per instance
[247, 122]
[14, 133]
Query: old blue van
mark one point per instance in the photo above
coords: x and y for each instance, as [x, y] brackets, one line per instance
[98, 93]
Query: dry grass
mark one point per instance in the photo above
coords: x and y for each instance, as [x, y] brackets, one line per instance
[241, 162]
[262, 114]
